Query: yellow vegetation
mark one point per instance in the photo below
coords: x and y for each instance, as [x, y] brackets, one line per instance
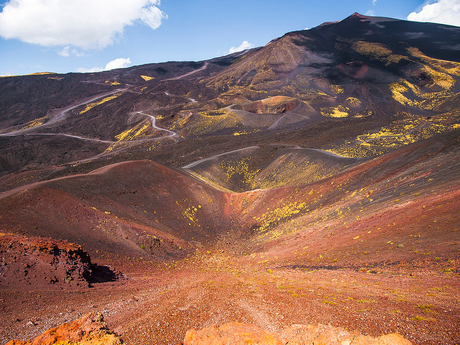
[35, 123]
[337, 89]
[450, 67]
[398, 134]
[337, 112]
[207, 121]
[190, 214]
[95, 104]
[353, 102]
[240, 167]
[278, 214]
[377, 51]
[41, 73]
[140, 130]
[442, 84]
[146, 78]
[112, 83]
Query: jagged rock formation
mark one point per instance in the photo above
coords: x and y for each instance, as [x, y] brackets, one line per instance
[35, 262]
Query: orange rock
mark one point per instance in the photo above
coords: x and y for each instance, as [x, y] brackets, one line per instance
[388, 339]
[88, 330]
[231, 334]
[243, 334]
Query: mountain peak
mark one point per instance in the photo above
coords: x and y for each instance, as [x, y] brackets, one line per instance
[353, 16]
[358, 15]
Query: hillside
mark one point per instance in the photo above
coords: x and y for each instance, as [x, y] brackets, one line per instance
[314, 180]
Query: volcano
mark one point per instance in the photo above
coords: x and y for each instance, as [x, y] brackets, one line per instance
[314, 180]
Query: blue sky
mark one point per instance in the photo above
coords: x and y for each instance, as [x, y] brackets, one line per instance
[91, 35]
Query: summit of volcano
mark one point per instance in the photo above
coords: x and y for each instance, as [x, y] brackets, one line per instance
[314, 180]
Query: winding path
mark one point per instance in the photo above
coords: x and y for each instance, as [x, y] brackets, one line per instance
[60, 115]
[172, 134]
[73, 136]
[189, 73]
[191, 165]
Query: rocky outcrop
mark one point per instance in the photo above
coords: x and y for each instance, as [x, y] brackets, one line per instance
[238, 333]
[232, 334]
[88, 330]
[36, 261]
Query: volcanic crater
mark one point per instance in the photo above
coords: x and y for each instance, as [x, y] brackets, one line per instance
[313, 181]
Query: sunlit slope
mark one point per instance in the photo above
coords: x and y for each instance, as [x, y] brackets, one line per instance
[359, 67]
[243, 116]
[397, 79]
[403, 130]
[403, 202]
[402, 205]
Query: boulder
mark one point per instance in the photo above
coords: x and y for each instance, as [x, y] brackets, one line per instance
[243, 334]
[88, 330]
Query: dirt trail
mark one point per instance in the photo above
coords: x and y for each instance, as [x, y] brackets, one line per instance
[60, 115]
[190, 73]
[191, 165]
[153, 119]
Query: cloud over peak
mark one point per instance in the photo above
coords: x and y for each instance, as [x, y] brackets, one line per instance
[117, 63]
[84, 23]
[441, 11]
[114, 64]
[243, 46]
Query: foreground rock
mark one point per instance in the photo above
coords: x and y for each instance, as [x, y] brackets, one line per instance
[36, 261]
[238, 333]
[89, 330]
[231, 333]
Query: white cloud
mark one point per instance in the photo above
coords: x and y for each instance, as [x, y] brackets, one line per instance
[374, 2]
[89, 70]
[442, 11]
[84, 23]
[114, 64]
[370, 13]
[152, 16]
[77, 53]
[65, 51]
[243, 46]
[118, 63]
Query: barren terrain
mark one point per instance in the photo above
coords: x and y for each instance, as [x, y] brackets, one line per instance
[311, 181]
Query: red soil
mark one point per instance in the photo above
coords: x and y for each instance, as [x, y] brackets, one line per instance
[374, 249]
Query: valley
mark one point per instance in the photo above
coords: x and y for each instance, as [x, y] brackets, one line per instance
[311, 181]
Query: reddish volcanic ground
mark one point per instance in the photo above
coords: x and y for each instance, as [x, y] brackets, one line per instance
[374, 249]
[314, 181]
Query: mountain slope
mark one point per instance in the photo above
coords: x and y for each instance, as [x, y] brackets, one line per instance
[315, 178]
[362, 70]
